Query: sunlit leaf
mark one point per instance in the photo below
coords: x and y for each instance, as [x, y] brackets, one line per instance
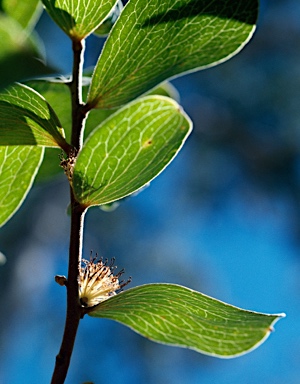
[18, 167]
[25, 12]
[175, 315]
[19, 54]
[57, 93]
[129, 149]
[79, 18]
[27, 119]
[158, 39]
[97, 116]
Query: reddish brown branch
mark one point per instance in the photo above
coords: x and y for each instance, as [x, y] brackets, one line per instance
[74, 309]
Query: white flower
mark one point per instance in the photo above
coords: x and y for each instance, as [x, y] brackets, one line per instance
[97, 282]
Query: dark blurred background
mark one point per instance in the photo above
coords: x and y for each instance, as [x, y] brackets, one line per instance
[223, 219]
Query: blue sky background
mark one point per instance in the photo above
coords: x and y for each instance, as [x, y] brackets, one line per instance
[223, 219]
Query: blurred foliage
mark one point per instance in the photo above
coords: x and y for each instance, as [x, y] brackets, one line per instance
[26, 13]
[21, 54]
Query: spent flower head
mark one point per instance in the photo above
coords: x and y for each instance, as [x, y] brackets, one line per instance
[97, 281]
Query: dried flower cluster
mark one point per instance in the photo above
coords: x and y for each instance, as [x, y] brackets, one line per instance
[68, 165]
[97, 281]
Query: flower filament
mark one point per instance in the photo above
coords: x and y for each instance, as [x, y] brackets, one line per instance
[97, 282]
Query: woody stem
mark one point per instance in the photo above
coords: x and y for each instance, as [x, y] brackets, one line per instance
[74, 309]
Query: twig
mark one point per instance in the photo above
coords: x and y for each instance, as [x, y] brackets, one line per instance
[74, 309]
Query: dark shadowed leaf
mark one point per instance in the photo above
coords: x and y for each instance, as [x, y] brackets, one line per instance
[57, 94]
[106, 26]
[27, 119]
[19, 54]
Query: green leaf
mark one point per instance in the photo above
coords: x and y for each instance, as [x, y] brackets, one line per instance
[79, 18]
[155, 40]
[19, 54]
[25, 12]
[97, 116]
[50, 166]
[18, 167]
[129, 149]
[165, 89]
[57, 94]
[27, 119]
[106, 26]
[179, 316]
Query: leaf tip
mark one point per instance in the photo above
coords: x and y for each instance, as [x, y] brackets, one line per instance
[278, 317]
